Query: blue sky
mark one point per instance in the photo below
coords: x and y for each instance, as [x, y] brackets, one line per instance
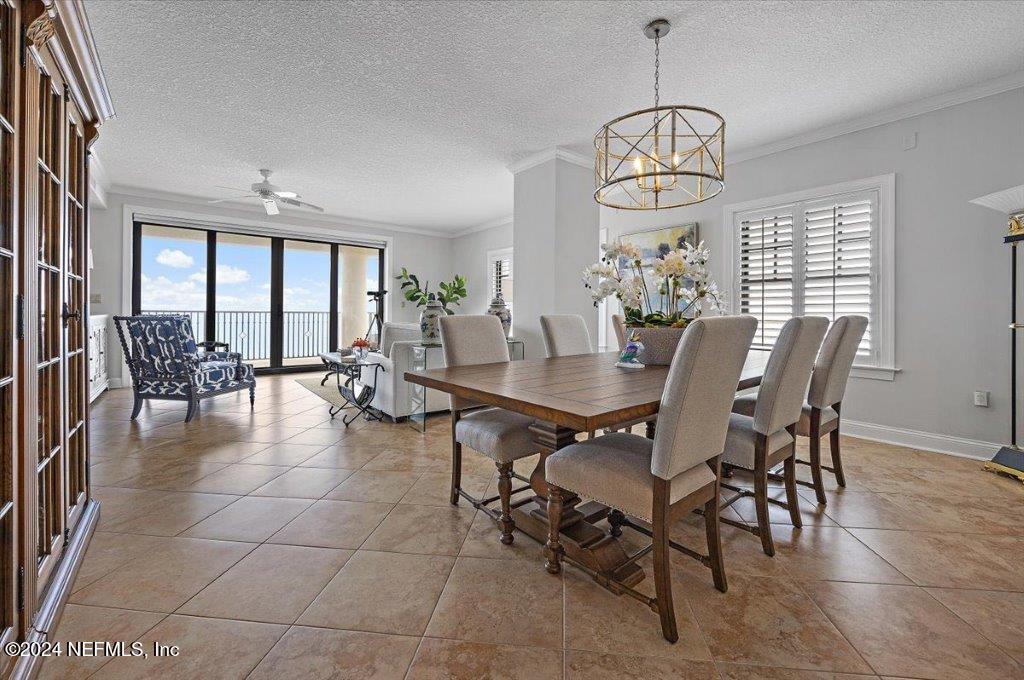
[174, 275]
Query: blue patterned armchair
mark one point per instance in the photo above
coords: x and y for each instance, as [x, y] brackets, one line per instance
[166, 362]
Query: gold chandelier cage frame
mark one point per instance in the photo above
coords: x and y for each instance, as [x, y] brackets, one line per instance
[661, 157]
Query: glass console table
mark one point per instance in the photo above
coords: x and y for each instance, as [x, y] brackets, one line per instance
[418, 393]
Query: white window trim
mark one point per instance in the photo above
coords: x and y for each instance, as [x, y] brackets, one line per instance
[885, 279]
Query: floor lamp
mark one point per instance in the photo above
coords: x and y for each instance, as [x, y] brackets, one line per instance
[1009, 460]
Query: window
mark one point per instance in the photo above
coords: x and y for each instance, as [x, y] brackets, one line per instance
[825, 252]
[499, 274]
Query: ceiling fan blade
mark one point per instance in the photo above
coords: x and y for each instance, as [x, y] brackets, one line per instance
[232, 198]
[270, 205]
[221, 186]
[302, 204]
[286, 194]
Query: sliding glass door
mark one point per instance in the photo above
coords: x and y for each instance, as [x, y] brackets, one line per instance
[279, 302]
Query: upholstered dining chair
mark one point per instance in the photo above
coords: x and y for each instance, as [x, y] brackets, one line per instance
[820, 413]
[503, 436]
[760, 441]
[658, 481]
[565, 335]
[619, 324]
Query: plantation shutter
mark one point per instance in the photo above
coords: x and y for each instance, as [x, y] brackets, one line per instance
[838, 260]
[500, 265]
[766, 271]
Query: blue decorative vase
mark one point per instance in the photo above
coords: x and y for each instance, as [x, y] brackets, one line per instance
[430, 327]
[499, 309]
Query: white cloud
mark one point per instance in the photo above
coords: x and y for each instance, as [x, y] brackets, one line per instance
[174, 258]
[228, 274]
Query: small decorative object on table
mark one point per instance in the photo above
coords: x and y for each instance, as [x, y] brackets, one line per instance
[659, 297]
[499, 309]
[360, 347]
[628, 357]
[430, 327]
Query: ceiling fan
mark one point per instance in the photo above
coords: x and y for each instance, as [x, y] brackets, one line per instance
[268, 194]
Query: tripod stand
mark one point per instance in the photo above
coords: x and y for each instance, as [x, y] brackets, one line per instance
[378, 297]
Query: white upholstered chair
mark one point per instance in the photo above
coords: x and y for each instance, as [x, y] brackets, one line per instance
[503, 436]
[619, 324]
[565, 335]
[395, 354]
[760, 441]
[658, 481]
[820, 413]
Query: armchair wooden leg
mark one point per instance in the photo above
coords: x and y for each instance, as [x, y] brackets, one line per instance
[193, 406]
[553, 548]
[505, 497]
[252, 395]
[662, 568]
[792, 498]
[764, 527]
[137, 406]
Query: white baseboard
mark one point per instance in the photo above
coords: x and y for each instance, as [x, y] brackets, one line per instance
[114, 383]
[926, 441]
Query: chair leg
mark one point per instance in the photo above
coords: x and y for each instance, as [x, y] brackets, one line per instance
[712, 529]
[252, 396]
[837, 460]
[193, 406]
[456, 463]
[505, 496]
[615, 520]
[662, 568]
[792, 498]
[764, 526]
[819, 484]
[553, 548]
[137, 406]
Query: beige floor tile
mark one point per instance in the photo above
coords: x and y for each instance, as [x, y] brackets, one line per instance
[459, 660]
[249, 519]
[955, 513]
[164, 578]
[409, 461]
[108, 551]
[769, 622]
[79, 623]
[238, 478]
[951, 560]
[996, 615]
[382, 593]
[434, 488]
[284, 454]
[483, 541]
[864, 509]
[732, 671]
[303, 483]
[500, 602]
[271, 434]
[580, 665]
[810, 513]
[171, 475]
[176, 512]
[225, 452]
[831, 554]
[903, 631]
[208, 648]
[597, 620]
[273, 583]
[319, 654]
[333, 524]
[342, 456]
[422, 529]
[316, 437]
[375, 486]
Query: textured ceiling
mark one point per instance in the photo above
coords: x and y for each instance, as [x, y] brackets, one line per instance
[409, 113]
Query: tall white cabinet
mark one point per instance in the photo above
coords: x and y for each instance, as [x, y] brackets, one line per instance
[98, 334]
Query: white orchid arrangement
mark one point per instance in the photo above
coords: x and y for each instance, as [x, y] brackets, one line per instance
[684, 286]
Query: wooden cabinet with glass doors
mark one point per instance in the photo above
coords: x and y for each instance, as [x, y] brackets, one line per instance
[52, 100]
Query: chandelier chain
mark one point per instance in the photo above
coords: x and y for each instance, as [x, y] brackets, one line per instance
[657, 64]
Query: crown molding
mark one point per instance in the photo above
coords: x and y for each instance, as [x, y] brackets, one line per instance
[243, 211]
[550, 154]
[500, 222]
[1011, 81]
[75, 50]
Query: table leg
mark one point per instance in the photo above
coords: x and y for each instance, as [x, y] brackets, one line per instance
[582, 540]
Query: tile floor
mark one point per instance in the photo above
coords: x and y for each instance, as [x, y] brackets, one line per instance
[275, 543]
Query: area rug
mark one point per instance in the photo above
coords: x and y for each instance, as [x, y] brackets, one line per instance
[328, 392]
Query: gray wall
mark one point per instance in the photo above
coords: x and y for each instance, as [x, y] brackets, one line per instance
[952, 270]
[429, 257]
[469, 258]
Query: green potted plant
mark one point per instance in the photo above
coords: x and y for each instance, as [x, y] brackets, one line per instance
[434, 305]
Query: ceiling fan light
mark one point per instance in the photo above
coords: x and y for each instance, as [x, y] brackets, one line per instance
[270, 205]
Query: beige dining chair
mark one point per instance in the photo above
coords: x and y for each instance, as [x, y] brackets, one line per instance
[565, 335]
[501, 435]
[659, 481]
[760, 441]
[619, 324]
[820, 413]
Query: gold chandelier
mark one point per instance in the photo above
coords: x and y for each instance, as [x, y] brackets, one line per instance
[661, 157]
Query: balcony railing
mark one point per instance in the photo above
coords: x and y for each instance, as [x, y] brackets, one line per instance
[306, 334]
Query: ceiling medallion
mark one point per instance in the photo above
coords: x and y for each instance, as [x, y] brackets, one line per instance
[661, 157]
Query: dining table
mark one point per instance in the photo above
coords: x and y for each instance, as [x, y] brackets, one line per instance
[567, 396]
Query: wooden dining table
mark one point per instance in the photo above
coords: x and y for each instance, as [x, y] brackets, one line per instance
[566, 396]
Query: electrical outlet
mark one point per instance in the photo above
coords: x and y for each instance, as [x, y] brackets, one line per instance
[95, 299]
[909, 141]
[981, 398]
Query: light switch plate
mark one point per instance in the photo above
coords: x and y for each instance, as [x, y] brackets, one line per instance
[981, 398]
[95, 299]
